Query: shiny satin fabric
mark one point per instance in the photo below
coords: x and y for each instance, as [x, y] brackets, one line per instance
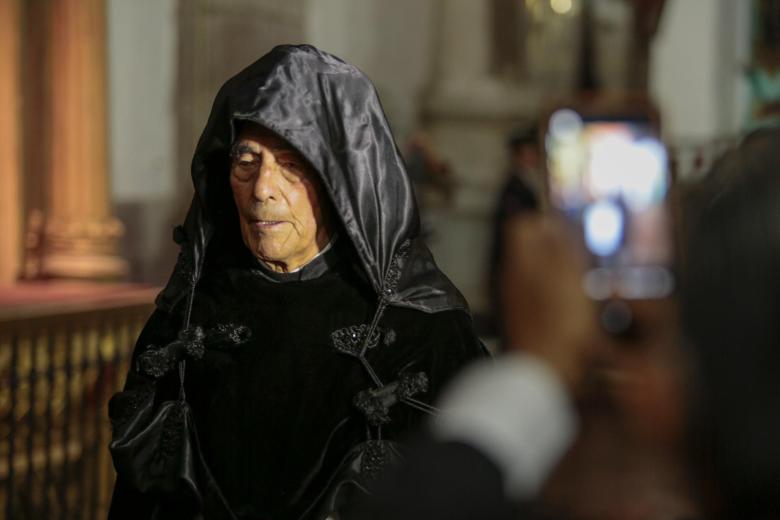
[352, 476]
[155, 448]
[330, 112]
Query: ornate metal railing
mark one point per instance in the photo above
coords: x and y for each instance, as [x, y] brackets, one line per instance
[59, 367]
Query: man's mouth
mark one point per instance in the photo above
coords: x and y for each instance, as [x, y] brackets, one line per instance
[266, 224]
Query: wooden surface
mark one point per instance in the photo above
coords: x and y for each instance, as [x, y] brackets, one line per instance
[42, 299]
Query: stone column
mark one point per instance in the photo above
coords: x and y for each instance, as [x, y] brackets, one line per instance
[80, 234]
[10, 132]
[468, 113]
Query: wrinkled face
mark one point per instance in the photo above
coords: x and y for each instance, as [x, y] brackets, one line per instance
[279, 200]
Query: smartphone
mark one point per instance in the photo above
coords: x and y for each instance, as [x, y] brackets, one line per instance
[609, 176]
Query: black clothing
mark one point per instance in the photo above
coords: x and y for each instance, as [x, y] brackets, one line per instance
[515, 198]
[442, 481]
[295, 388]
[275, 415]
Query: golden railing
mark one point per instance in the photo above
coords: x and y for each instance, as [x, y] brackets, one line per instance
[59, 365]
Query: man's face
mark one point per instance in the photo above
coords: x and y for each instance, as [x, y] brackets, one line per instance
[526, 156]
[279, 200]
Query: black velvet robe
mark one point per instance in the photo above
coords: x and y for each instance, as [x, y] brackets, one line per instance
[275, 415]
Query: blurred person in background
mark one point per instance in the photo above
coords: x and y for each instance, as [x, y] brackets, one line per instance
[431, 175]
[305, 326]
[432, 179]
[520, 195]
[504, 426]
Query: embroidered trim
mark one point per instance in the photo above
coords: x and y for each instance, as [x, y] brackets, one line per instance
[227, 335]
[124, 405]
[156, 361]
[358, 339]
[412, 384]
[170, 440]
[192, 342]
[375, 403]
[375, 458]
[395, 270]
[376, 412]
[349, 340]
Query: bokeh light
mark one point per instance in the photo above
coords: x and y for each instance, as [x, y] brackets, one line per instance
[561, 6]
[603, 222]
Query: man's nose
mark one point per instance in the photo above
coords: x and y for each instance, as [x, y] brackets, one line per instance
[266, 185]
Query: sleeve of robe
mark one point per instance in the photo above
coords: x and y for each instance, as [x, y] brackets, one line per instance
[438, 481]
[444, 343]
[127, 502]
[456, 347]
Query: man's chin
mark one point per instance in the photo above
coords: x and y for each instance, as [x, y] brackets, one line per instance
[271, 256]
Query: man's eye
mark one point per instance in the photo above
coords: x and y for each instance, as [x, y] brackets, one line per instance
[291, 166]
[246, 162]
[244, 169]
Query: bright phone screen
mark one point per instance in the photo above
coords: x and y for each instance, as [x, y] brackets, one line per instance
[611, 177]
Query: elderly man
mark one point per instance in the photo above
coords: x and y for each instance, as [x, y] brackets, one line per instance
[305, 327]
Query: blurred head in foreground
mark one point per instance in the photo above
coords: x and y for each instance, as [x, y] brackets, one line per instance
[731, 312]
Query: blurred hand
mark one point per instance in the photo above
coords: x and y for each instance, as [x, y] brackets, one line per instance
[545, 309]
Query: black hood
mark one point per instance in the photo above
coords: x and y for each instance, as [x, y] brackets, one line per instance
[330, 112]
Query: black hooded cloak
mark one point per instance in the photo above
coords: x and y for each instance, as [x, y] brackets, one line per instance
[254, 397]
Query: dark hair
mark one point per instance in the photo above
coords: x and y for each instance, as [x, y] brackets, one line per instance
[731, 314]
[522, 136]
